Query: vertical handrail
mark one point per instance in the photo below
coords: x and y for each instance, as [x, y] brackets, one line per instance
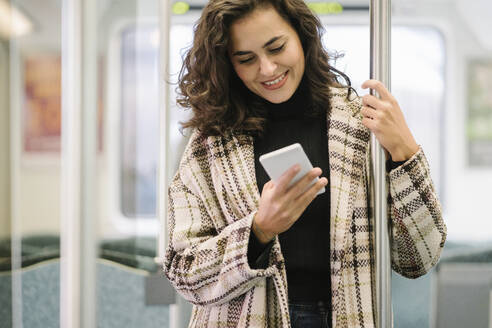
[78, 167]
[88, 183]
[70, 166]
[380, 13]
[163, 167]
[15, 156]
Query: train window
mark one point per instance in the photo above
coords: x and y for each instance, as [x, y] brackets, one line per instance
[139, 114]
[139, 121]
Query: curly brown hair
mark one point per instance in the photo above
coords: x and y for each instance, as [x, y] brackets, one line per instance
[209, 85]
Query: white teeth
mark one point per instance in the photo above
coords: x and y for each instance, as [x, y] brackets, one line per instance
[276, 80]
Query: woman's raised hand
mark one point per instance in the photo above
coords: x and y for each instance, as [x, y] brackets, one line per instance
[384, 118]
[280, 206]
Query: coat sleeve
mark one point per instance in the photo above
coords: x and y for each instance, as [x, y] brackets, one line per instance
[418, 230]
[205, 266]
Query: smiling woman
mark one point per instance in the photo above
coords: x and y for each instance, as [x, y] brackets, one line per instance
[273, 64]
[224, 50]
[257, 79]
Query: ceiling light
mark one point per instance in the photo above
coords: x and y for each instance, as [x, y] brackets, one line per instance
[13, 22]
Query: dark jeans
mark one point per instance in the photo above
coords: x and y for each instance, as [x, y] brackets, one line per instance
[310, 315]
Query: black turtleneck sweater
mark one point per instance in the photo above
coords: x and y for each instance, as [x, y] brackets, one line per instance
[306, 245]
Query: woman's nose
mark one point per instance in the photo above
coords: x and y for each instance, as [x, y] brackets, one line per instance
[267, 67]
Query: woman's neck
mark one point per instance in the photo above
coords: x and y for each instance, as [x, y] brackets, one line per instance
[294, 107]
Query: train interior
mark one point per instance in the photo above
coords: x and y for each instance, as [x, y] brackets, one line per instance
[441, 74]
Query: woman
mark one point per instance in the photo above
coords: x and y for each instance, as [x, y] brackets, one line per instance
[257, 79]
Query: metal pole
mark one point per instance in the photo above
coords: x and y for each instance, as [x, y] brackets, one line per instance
[78, 170]
[15, 178]
[70, 167]
[380, 13]
[164, 167]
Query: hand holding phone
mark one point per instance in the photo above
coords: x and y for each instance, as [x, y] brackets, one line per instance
[285, 197]
[279, 161]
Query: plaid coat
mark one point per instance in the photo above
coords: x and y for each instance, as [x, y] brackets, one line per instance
[214, 195]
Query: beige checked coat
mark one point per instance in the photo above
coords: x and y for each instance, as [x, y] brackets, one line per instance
[214, 195]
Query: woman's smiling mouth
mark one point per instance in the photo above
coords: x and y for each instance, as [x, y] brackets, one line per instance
[277, 83]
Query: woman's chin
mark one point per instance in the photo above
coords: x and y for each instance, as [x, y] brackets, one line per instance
[277, 98]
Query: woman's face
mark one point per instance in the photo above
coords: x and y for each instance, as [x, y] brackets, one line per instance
[267, 54]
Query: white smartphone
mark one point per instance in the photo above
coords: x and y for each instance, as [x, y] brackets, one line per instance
[277, 162]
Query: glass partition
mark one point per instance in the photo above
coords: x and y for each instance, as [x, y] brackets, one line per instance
[126, 135]
[128, 279]
[30, 93]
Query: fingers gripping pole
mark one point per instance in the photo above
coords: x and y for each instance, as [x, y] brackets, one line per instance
[380, 12]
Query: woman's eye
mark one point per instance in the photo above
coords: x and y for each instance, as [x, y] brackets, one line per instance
[277, 49]
[244, 61]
